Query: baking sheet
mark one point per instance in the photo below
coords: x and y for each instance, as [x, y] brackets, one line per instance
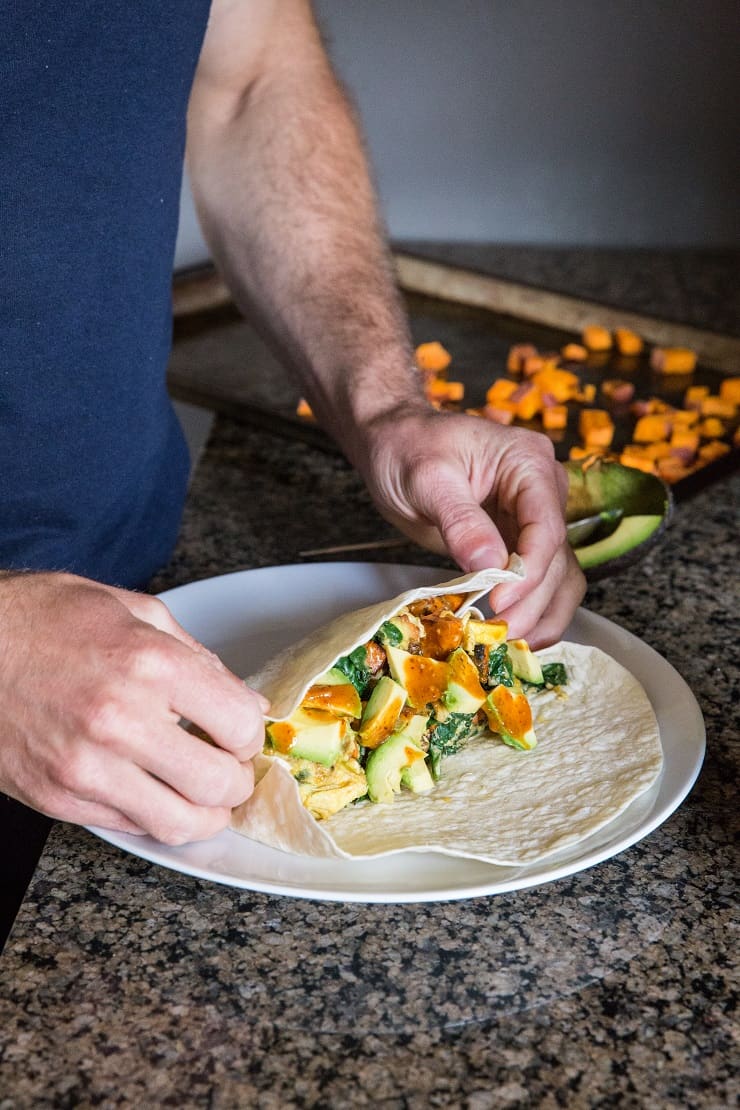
[220, 362]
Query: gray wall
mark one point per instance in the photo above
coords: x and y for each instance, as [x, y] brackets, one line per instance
[606, 122]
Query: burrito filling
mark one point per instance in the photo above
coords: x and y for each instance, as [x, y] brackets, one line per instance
[382, 718]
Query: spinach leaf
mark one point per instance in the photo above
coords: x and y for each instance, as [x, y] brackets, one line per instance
[448, 736]
[355, 667]
[389, 633]
[500, 671]
[554, 674]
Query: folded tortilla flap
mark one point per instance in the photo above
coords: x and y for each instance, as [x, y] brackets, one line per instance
[286, 677]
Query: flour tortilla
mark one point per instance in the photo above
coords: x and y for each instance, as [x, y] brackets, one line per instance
[287, 676]
[598, 750]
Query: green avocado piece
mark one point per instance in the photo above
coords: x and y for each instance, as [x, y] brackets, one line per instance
[316, 736]
[464, 693]
[631, 531]
[386, 765]
[417, 777]
[381, 712]
[525, 663]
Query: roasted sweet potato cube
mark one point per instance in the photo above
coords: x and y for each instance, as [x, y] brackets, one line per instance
[531, 364]
[729, 390]
[694, 396]
[713, 449]
[711, 428]
[715, 406]
[500, 390]
[659, 450]
[517, 355]
[562, 384]
[596, 338]
[574, 352]
[596, 427]
[650, 428]
[554, 417]
[528, 401]
[586, 395]
[628, 342]
[433, 357]
[673, 360]
[685, 440]
[639, 462]
[437, 389]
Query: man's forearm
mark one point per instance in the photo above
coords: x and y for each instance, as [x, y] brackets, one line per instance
[287, 205]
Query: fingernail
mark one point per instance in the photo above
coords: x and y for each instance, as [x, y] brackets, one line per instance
[505, 600]
[485, 558]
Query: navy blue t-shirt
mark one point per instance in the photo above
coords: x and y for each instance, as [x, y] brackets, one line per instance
[93, 100]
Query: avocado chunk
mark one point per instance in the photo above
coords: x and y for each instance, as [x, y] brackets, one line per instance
[339, 698]
[423, 679]
[525, 663]
[413, 728]
[510, 716]
[310, 734]
[487, 633]
[386, 765]
[381, 712]
[631, 531]
[463, 693]
[417, 777]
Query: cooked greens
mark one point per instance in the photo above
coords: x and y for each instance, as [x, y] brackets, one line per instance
[500, 671]
[355, 667]
[389, 633]
[554, 674]
[446, 737]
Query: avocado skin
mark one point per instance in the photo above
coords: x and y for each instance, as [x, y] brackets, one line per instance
[631, 531]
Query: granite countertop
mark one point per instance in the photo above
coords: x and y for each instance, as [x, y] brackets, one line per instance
[126, 984]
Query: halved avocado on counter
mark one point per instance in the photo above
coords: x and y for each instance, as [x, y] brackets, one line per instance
[645, 501]
[631, 532]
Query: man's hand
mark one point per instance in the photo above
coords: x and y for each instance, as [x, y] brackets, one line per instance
[93, 683]
[479, 491]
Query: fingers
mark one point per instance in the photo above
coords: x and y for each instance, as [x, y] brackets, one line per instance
[200, 772]
[162, 812]
[217, 701]
[542, 615]
[445, 497]
[113, 792]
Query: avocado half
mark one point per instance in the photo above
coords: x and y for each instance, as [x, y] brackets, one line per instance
[646, 504]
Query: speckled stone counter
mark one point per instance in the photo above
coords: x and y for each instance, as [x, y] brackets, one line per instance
[124, 984]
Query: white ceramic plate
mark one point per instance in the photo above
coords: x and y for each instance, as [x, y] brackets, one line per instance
[247, 616]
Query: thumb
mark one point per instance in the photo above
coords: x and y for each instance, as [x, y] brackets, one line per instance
[468, 532]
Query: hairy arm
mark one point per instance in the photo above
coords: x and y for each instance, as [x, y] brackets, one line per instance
[286, 201]
[284, 195]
